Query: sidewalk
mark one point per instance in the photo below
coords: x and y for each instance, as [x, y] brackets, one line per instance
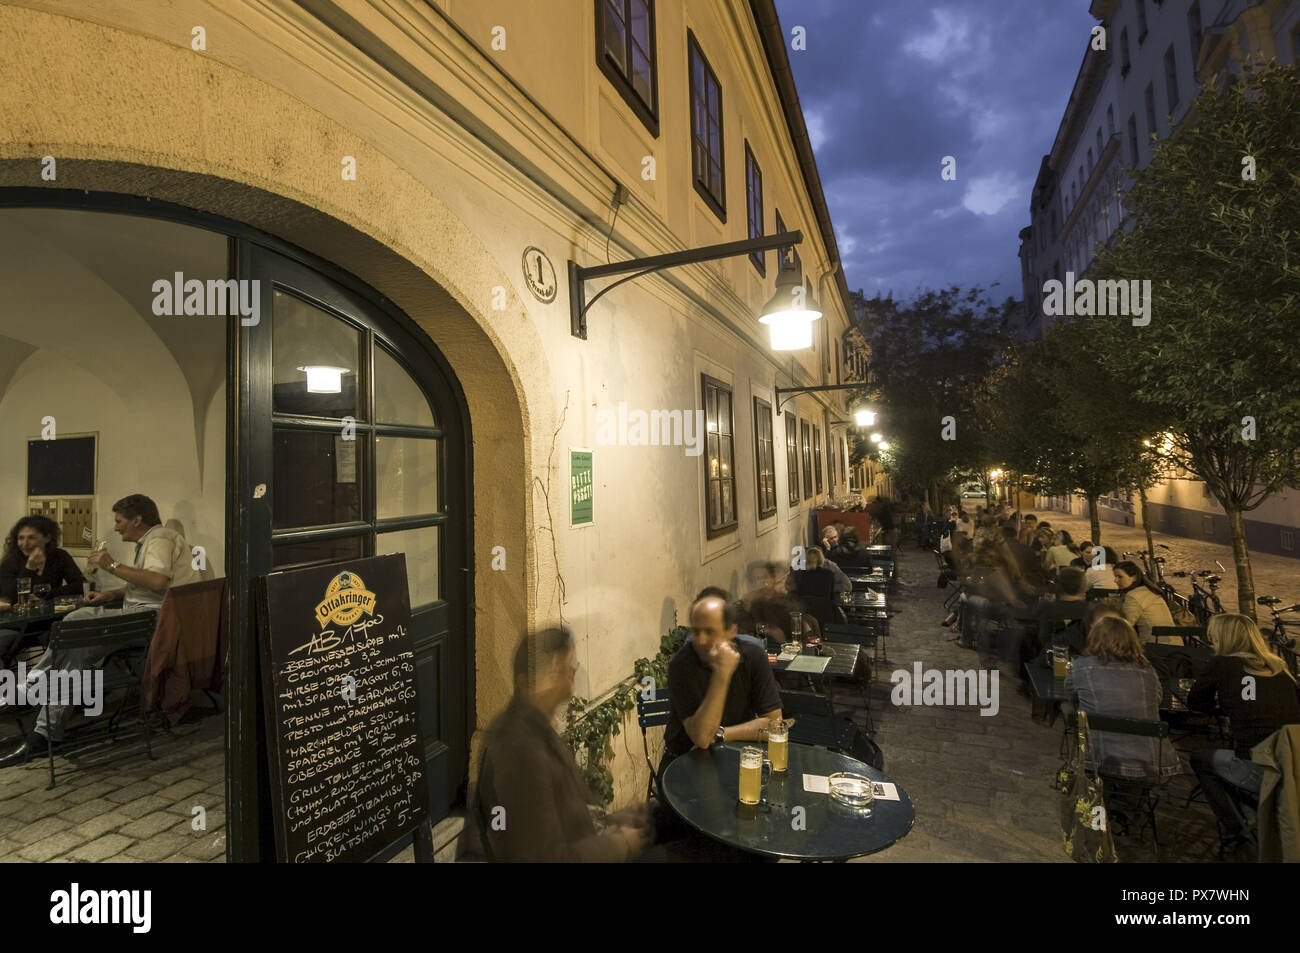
[1274, 575]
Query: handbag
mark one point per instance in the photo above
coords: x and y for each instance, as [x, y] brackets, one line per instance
[1084, 825]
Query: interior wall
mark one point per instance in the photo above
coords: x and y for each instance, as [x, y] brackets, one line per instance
[96, 365]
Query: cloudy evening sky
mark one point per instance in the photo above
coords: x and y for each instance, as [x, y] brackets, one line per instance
[890, 87]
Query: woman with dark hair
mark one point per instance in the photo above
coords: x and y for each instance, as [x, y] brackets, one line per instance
[1141, 603]
[31, 551]
[1114, 678]
[1061, 554]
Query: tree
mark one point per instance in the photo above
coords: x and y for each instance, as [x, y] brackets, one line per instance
[1215, 220]
[929, 361]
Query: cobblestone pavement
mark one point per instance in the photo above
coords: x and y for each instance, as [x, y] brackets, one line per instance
[116, 805]
[1274, 575]
[982, 785]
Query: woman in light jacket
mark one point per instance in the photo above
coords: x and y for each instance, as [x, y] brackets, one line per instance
[1141, 603]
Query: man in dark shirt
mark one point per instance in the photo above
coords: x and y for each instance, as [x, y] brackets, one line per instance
[720, 688]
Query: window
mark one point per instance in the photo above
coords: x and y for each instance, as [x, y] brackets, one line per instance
[707, 163]
[1142, 21]
[831, 453]
[792, 459]
[1101, 147]
[1133, 140]
[764, 455]
[1171, 79]
[837, 360]
[1195, 32]
[1090, 162]
[1207, 526]
[1125, 63]
[1286, 541]
[720, 459]
[1151, 111]
[817, 457]
[625, 53]
[805, 437]
[1110, 120]
[754, 206]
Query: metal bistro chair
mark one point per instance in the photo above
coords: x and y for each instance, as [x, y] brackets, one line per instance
[123, 641]
[815, 723]
[1130, 795]
[651, 714]
[1193, 635]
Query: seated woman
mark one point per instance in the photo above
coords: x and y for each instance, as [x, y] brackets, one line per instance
[992, 596]
[1141, 603]
[31, 551]
[1061, 553]
[1113, 678]
[1239, 652]
[814, 587]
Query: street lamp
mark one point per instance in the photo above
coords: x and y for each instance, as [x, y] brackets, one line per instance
[876, 438]
[790, 312]
[884, 445]
[864, 417]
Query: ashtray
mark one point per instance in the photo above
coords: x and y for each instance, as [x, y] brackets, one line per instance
[791, 648]
[852, 790]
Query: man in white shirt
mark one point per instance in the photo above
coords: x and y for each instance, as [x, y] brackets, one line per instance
[162, 559]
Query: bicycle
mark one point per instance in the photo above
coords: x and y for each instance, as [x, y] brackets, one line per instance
[1279, 639]
[1203, 603]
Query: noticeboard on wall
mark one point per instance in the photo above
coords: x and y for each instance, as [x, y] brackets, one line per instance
[581, 488]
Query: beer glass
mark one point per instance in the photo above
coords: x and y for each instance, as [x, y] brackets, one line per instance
[751, 775]
[1060, 662]
[778, 747]
[24, 590]
[796, 626]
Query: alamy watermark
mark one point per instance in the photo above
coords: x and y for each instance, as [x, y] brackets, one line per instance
[1098, 298]
[216, 297]
[655, 428]
[77, 688]
[944, 688]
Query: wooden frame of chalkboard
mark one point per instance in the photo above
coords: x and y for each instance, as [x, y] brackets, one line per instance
[344, 746]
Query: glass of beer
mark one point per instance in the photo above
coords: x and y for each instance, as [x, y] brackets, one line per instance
[1060, 662]
[751, 775]
[778, 746]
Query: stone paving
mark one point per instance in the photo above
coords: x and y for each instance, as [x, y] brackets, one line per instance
[982, 785]
[1274, 575]
[115, 804]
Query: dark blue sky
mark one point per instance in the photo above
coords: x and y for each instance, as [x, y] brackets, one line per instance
[890, 87]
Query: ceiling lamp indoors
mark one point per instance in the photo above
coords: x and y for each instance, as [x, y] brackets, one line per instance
[324, 378]
[790, 312]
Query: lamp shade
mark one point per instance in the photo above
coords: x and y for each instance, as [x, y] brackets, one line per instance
[790, 312]
[324, 378]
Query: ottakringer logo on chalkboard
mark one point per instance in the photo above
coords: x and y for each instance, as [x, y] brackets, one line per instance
[346, 600]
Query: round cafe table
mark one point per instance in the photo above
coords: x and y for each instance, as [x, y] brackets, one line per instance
[703, 787]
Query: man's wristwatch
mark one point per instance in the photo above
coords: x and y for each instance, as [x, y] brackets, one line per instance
[720, 736]
[112, 567]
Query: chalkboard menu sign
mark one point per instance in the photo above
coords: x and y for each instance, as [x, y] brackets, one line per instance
[347, 761]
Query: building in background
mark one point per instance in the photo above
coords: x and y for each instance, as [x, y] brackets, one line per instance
[1158, 54]
[408, 180]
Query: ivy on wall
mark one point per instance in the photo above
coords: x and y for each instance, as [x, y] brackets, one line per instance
[590, 732]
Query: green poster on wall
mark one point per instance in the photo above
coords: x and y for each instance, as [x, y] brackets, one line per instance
[581, 512]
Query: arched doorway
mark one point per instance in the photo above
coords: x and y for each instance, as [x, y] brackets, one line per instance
[400, 484]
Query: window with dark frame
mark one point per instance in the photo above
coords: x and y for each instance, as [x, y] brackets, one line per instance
[1133, 140]
[719, 458]
[626, 52]
[754, 206]
[792, 459]
[1171, 78]
[817, 458]
[1194, 32]
[765, 455]
[1150, 97]
[805, 437]
[1142, 20]
[1125, 63]
[707, 153]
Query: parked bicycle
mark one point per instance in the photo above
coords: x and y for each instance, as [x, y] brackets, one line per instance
[1204, 602]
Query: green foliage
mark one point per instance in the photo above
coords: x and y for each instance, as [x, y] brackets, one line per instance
[589, 732]
[929, 360]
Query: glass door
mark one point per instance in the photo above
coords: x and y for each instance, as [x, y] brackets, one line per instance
[353, 446]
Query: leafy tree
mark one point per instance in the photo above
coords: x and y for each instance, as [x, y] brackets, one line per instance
[1219, 246]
